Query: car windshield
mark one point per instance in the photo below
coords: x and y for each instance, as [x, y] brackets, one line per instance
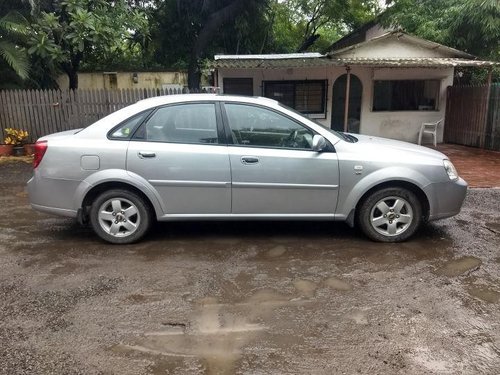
[344, 136]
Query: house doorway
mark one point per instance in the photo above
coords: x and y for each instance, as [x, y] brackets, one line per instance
[353, 106]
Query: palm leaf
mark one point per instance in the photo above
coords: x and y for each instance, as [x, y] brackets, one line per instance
[14, 22]
[15, 57]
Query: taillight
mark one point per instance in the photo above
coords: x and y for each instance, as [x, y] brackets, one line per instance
[40, 148]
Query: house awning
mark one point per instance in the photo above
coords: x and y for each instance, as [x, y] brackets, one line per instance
[317, 60]
[271, 61]
[416, 62]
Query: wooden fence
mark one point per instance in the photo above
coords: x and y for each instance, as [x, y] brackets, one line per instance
[473, 116]
[42, 112]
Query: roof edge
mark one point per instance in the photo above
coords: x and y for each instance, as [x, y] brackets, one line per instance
[413, 38]
[277, 56]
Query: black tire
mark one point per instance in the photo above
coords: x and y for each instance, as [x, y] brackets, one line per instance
[130, 219]
[397, 225]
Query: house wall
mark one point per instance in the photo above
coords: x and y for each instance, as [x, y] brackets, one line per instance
[393, 47]
[259, 75]
[124, 80]
[402, 125]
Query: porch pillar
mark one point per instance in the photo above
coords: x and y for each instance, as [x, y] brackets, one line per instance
[347, 93]
[482, 142]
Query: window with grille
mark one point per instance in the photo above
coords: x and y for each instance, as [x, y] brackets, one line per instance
[406, 95]
[308, 97]
[238, 86]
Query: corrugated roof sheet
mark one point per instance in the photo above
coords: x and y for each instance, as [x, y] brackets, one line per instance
[270, 56]
[424, 62]
[251, 62]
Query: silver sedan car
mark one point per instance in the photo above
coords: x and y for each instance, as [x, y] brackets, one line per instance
[211, 157]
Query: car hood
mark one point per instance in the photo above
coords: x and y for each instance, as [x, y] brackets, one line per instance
[384, 144]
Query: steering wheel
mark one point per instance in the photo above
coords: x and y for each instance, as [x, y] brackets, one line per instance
[291, 139]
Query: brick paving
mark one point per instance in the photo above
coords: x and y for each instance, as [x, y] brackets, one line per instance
[480, 168]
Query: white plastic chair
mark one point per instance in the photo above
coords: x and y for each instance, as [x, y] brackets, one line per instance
[429, 128]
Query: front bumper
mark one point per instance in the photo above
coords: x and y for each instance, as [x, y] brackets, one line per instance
[446, 198]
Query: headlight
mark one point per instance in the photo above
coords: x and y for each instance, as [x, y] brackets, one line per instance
[450, 169]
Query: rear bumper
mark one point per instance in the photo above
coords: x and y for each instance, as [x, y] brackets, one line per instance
[54, 210]
[446, 198]
[52, 196]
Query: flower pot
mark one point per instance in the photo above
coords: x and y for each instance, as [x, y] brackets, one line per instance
[18, 151]
[6, 150]
[29, 149]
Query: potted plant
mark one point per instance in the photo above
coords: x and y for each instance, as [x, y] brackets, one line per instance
[15, 138]
[6, 149]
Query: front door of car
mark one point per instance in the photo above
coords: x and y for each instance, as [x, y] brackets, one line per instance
[274, 169]
[177, 151]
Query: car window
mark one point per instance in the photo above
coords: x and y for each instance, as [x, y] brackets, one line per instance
[260, 127]
[125, 129]
[184, 123]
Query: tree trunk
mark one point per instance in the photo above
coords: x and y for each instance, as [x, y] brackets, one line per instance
[194, 74]
[71, 68]
[73, 79]
[308, 43]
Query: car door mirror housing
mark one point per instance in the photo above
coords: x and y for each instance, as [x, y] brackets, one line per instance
[318, 143]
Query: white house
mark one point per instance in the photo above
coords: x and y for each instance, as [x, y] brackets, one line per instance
[393, 82]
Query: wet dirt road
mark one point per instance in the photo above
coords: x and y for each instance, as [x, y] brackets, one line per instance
[248, 298]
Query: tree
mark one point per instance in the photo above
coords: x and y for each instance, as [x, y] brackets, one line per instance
[469, 25]
[71, 32]
[189, 31]
[302, 25]
[472, 26]
[13, 28]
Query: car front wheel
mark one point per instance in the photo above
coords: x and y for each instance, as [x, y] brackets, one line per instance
[120, 216]
[390, 215]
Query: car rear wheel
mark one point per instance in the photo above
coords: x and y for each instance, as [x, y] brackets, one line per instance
[390, 215]
[120, 216]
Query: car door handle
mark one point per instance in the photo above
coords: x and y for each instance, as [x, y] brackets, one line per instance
[146, 154]
[249, 159]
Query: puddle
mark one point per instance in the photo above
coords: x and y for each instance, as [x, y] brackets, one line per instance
[338, 284]
[427, 359]
[459, 266]
[305, 288]
[276, 251]
[493, 227]
[484, 294]
[216, 335]
[359, 317]
[65, 268]
[142, 298]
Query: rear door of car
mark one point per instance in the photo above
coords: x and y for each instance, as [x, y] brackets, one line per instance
[180, 149]
[274, 169]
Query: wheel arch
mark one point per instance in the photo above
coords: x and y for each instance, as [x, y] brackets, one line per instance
[90, 188]
[95, 191]
[420, 194]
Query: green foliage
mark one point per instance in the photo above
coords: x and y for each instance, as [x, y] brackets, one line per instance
[469, 25]
[79, 32]
[472, 26]
[300, 22]
[13, 30]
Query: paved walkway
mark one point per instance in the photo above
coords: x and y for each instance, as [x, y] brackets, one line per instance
[480, 168]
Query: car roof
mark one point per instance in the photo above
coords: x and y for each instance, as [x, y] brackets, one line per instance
[180, 98]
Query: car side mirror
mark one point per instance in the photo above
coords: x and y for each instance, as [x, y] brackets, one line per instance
[319, 143]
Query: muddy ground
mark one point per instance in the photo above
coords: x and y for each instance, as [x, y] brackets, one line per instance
[247, 298]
